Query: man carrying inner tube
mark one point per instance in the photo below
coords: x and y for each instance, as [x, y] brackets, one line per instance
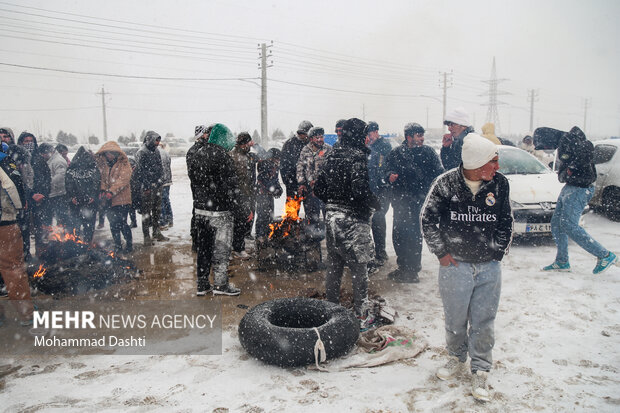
[343, 185]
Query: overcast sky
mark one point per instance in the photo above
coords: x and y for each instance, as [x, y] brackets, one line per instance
[332, 59]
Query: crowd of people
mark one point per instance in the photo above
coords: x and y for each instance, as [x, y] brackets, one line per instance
[455, 200]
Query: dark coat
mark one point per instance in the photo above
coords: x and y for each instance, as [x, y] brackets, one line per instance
[267, 182]
[343, 181]
[290, 155]
[451, 155]
[576, 159]
[377, 163]
[83, 179]
[416, 167]
[149, 172]
[214, 181]
[470, 228]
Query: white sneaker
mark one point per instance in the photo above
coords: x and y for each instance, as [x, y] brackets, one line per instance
[479, 388]
[450, 369]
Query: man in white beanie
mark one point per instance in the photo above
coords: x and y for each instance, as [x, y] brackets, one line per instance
[459, 126]
[467, 224]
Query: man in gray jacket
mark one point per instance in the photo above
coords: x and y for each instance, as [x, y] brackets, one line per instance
[57, 197]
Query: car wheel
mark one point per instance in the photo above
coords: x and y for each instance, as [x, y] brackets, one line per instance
[282, 331]
[611, 203]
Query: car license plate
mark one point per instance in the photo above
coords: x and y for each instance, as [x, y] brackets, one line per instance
[538, 228]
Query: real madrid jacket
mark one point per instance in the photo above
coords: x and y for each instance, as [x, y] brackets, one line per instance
[471, 228]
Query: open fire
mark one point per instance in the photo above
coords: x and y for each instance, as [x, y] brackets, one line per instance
[289, 218]
[68, 265]
[290, 241]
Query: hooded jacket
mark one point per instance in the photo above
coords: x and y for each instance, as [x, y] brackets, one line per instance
[576, 159]
[149, 172]
[83, 178]
[488, 131]
[116, 176]
[471, 228]
[42, 177]
[343, 181]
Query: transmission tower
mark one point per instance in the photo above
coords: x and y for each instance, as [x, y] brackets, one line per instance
[492, 115]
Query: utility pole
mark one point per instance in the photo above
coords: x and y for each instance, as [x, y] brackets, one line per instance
[263, 91]
[586, 104]
[532, 96]
[445, 96]
[105, 122]
[492, 115]
[364, 112]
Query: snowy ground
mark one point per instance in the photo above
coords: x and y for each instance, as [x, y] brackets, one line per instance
[557, 349]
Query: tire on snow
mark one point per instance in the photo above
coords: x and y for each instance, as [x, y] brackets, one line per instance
[280, 331]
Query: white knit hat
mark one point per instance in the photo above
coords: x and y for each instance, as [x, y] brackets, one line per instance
[477, 151]
[459, 116]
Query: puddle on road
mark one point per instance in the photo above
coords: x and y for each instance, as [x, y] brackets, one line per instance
[168, 271]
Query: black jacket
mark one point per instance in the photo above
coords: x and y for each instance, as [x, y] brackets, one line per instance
[416, 167]
[149, 172]
[83, 179]
[267, 182]
[451, 155]
[343, 181]
[576, 159]
[377, 162]
[214, 181]
[471, 228]
[288, 164]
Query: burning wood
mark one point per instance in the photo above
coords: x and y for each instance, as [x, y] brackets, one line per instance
[289, 218]
[71, 266]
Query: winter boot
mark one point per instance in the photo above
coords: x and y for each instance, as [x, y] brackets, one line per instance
[450, 369]
[148, 241]
[479, 388]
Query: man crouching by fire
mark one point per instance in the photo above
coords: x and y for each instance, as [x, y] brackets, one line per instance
[467, 224]
[343, 185]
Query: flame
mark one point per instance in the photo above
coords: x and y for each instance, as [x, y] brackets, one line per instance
[40, 272]
[291, 214]
[59, 234]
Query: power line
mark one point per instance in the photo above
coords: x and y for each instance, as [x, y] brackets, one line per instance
[345, 90]
[125, 76]
[142, 24]
[122, 50]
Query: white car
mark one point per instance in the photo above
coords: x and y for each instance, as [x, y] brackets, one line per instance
[534, 190]
[607, 192]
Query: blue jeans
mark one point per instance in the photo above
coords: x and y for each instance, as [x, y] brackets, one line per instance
[565, 223]
[470, 295]
[166, 208]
